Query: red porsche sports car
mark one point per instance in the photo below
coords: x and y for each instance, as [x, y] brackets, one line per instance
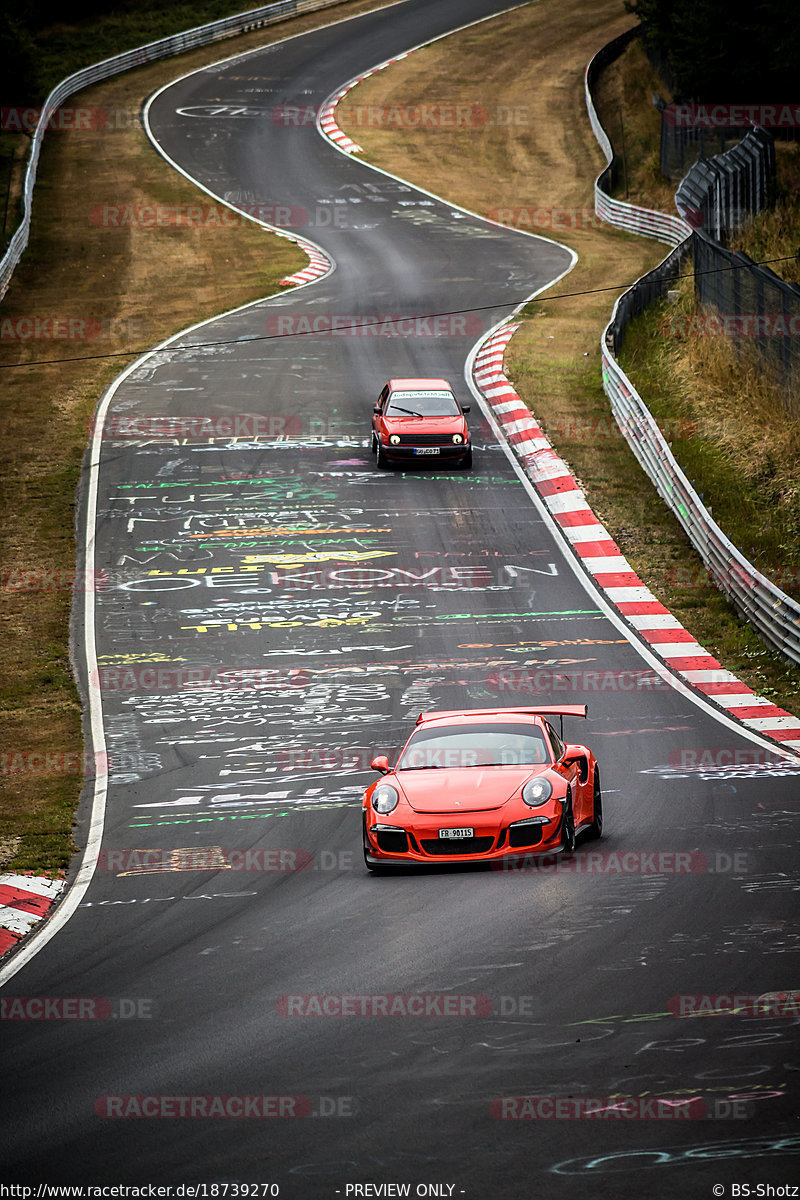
[420, 420]
[473, 786]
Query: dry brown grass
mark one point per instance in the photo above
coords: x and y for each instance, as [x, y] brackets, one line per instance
[744, 452]
[776, 232]
[767, 442]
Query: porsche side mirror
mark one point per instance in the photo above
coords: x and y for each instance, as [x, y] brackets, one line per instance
[381, 763]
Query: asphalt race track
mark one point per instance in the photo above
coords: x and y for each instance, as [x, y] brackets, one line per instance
[321, 604]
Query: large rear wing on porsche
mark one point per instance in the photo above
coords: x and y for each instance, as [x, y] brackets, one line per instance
[544, 710]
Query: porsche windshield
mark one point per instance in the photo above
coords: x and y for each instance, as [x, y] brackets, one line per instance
[422, 404]
[474, 746]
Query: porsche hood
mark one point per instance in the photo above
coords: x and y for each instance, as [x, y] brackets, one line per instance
[462, 789]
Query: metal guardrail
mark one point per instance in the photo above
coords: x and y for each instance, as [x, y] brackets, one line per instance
[647, 222]
[774, 615]
[177, 43]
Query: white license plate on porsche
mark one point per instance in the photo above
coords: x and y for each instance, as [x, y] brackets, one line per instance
[456, 833]
[426, 449]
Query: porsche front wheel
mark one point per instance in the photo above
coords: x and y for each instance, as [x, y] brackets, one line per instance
[595, 830]
[568, 827]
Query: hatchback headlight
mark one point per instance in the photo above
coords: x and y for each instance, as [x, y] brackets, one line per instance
[384, 798]
[537, 791]
[457, 438]
[395, 439]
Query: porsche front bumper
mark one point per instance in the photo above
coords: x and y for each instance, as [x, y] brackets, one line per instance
[422, 843]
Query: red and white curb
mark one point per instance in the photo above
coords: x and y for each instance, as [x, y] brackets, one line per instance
[319, 264]
[601, 557]
[326, 121]
[24, 901]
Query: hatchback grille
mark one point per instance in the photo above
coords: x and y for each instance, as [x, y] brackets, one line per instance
[425, 439]
[444, 846]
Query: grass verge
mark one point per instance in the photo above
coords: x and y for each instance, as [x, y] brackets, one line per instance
[747, 470]
[775, 232]
[533, 163]
[105, 287]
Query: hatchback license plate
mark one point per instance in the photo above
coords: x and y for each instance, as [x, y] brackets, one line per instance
[426, 449]
[456, 833]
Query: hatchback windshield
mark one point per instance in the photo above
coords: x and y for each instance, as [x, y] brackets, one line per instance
[474, 746]
[422, 404]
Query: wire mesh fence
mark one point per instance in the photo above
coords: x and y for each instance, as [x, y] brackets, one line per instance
[646, 291]
[692, 132]
[755, 310]
[717, 196]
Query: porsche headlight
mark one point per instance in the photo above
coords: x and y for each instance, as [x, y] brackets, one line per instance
[395, 439]
[384, 798]
[457, 438]
[537, 791]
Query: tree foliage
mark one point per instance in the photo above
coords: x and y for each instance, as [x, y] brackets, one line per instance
[742, 52]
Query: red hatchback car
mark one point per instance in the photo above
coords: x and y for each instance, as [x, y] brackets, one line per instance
[472, 786]
[420, 420]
